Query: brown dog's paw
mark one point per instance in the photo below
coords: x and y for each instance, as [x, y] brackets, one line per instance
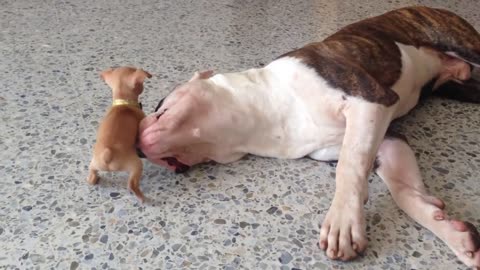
[138, 193]
[141, 197]
[92, 178]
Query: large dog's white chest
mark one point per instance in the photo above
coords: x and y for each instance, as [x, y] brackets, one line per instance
[419, 66]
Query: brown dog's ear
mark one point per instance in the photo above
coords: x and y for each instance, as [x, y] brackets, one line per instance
[104, 74]
[201, 75]
[137, 79]
[139, 76]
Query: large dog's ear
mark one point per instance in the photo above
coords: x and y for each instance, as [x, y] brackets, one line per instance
[202, 75]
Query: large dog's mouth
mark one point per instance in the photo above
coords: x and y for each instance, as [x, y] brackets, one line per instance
[171, 161]
[179, 167]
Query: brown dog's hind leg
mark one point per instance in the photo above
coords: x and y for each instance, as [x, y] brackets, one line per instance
[92, 178]
[135, 169]
[399, 170]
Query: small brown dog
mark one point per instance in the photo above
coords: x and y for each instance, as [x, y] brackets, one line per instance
[117, 133]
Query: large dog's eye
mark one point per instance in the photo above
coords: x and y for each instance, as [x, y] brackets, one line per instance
[161, 101]
[158, 116]
[159, 104]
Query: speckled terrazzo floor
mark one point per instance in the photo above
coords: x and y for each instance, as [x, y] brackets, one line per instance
[254, 214]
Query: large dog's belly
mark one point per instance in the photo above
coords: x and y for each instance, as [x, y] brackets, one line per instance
[305, 113]
[314, 124]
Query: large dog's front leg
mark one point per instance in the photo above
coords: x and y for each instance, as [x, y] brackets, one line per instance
[343, 233]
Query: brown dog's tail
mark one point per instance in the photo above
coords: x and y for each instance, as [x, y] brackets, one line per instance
[107, 156]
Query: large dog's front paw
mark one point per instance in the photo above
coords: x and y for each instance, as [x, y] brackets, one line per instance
[343, 234]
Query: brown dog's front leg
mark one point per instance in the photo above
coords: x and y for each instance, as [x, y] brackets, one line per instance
[92, 178]
[135, 170]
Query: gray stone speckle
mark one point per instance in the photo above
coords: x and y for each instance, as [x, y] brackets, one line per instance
[37, 258]
[73, 265]
[243, 224]
[376, 219]
[297, 242]
[416, 254]
[272, 210]
[104, 239]
[176, 247]
[285, 258]
[449, 185]
[219, 221]
[441, 170]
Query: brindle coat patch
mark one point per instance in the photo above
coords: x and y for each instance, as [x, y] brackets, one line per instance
[363, 60]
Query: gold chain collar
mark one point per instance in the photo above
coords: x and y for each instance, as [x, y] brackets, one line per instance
[119, 102]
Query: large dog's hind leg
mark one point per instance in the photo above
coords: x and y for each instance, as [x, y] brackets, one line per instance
[398, 168]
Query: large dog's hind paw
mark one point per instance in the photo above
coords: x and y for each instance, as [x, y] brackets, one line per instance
[464, 240]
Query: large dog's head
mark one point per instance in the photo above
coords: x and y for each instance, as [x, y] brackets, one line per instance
[172, 136]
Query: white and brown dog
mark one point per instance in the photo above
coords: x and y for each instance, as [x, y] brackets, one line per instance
[332, 100]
